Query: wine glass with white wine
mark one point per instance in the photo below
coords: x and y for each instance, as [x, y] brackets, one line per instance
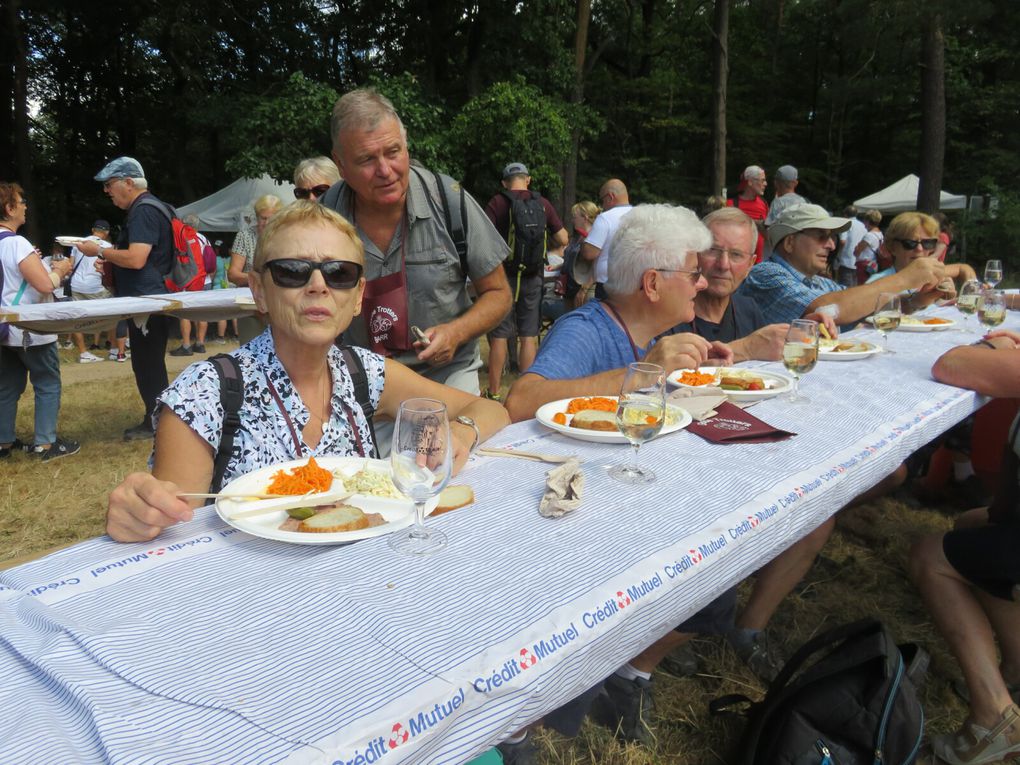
[640, 415]
[800, 354]
[421, 459]
[993, 273]
[968, 299]
[888, 314]
[993, 308]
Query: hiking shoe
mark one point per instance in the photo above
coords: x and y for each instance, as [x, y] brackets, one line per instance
[522, 753]
[16, 446]
[121, 357]
[182, 350]
[139, 432]
[198, 348]
[93, 347]
[974, 745]
[87, 358]
[62, 447]
[220, 340]
[752, 646]
[626, 708]
[683, 662]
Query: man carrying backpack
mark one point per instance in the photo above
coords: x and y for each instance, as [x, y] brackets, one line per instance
[530, 225]
[142, 258]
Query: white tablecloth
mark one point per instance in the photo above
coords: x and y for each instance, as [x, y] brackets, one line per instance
[210, 646]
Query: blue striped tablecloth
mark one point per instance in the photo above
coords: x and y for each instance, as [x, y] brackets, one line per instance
[210, 646]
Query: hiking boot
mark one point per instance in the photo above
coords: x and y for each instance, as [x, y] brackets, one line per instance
[121, 357]
[182, 350]
[198, 348]
[683, 662]
[139, 432]
[87, 358]
[626, 708]
[974, 745]
[522, 753]
[62, 447]
[16, 446]
[752, 646]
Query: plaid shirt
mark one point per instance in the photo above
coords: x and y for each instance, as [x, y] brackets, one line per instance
[782, 292]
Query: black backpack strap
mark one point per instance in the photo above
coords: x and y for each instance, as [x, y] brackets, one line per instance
[166, 209]
[451, 197]
[231, 398]
[360, 380]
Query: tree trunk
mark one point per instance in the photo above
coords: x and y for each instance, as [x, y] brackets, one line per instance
[569, 193]
[933, 115]
[720, 75]
[7, 163]
[22, 146]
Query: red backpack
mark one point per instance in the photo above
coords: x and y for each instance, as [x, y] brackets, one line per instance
[187, 270]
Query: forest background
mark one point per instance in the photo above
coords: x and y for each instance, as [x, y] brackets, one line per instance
[673, 96]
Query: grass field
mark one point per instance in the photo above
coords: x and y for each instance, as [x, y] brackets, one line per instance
[862, 572]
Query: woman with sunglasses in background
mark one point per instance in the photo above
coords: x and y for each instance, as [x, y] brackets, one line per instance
[314, 176]
[913, 235]
[298, 393]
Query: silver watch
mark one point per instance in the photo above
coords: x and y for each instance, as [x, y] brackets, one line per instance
[463, 420]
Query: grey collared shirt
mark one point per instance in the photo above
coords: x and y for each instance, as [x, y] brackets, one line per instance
[436, 287]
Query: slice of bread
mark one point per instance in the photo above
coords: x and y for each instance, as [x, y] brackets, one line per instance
[592, 419]
[453, 497]
[339, 518]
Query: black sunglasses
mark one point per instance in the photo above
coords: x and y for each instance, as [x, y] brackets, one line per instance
[314, 191]
[291, 273]
[911, 244]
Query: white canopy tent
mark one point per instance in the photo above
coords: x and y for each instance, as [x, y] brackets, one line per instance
[229, 209]
[902, 196]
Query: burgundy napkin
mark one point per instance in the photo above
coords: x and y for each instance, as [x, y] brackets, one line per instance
[734, 425]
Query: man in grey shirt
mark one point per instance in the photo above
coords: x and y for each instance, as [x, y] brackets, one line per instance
[414, 273]
[785, 183]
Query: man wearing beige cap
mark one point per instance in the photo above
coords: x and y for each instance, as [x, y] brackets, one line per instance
[792, 284]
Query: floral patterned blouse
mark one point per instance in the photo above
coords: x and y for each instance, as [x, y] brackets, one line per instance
[264, 437]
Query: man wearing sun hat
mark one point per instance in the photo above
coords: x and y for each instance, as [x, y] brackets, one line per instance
[142, 256]
[793, 283]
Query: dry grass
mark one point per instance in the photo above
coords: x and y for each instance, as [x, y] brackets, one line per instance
[863, 572]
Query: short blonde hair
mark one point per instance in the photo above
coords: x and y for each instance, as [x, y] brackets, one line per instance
[267, 202]
[303, 213]
[586, 209]
[316, 167]
[905, 224]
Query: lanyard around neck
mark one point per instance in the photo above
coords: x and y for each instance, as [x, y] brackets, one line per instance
[616, 315]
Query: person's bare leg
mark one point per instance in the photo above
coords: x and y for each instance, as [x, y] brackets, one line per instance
[185, 333]
[79, 341]
[529, 349]
[652, 656]
[497, 360]
[964, 626]
[891, 482]
[203, 328]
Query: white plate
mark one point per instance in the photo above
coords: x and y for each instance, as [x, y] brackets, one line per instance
[545, 414]
[398, 513]
[775, 383]
[826, 352]
[69, 241]
[916, 324]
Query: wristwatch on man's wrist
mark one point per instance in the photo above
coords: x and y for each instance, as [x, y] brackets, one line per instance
[471, 424]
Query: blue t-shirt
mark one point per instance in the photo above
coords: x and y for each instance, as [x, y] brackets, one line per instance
[881, 274]
[742, 317]
[584, 342]
[782, 292]
[145, 224]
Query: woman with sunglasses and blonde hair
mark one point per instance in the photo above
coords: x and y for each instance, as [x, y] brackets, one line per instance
[314, 176]
[298, 393]
[913, 235]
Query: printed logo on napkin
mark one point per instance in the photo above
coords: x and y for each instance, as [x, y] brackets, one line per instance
[724, 423]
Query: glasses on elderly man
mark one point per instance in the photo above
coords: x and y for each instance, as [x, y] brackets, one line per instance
[911, 244]
[291, 273]
[314, 192]
[736, 256]
[694, 275]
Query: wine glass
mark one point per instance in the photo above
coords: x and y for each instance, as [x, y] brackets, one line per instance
[422, 460]
[992, 311]
[887, 316]
[640, 414]
[800, 354]
[967, 300]
[993, 272]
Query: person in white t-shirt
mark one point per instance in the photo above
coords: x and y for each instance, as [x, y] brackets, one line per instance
[87, 284]
[27, 279]
[846, 260]
[615, 204]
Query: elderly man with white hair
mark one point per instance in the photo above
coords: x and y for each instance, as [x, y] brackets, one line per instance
[750, 199]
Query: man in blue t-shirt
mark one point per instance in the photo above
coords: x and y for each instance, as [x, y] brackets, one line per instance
[141, 260]
[652, 280]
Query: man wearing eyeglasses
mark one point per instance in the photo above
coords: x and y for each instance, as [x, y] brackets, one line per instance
[750, 199]
[913, 235]
[140, 260]
[615, 202]
[791, 285]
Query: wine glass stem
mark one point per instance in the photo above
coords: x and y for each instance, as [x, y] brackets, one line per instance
[419, 519]
[635, 447]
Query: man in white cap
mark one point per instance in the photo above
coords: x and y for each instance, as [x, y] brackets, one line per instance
[785, 181]
[791, 284]
[141, 258]
[751, 199]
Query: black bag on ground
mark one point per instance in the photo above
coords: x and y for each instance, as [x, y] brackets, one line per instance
[855, 705]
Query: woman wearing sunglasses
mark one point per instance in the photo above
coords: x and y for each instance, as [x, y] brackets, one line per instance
[314, 176]
[298, 396]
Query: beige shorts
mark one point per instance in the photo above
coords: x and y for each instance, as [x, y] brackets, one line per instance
[104, 293]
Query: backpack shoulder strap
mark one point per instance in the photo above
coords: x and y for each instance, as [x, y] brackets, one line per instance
[231, 398]
[167, 210]
[451, 197]
[360, 380]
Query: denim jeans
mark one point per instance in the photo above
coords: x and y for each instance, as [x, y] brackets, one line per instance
[42, 364]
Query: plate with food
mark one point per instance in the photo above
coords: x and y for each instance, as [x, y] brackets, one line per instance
[69, 241]
[593, 418]
[921, 323]
[845, 349]
[329, 501]
[737, 384]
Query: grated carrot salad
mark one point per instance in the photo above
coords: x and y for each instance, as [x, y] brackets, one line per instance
[302, 480]
[696, 378]
[598, 403]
